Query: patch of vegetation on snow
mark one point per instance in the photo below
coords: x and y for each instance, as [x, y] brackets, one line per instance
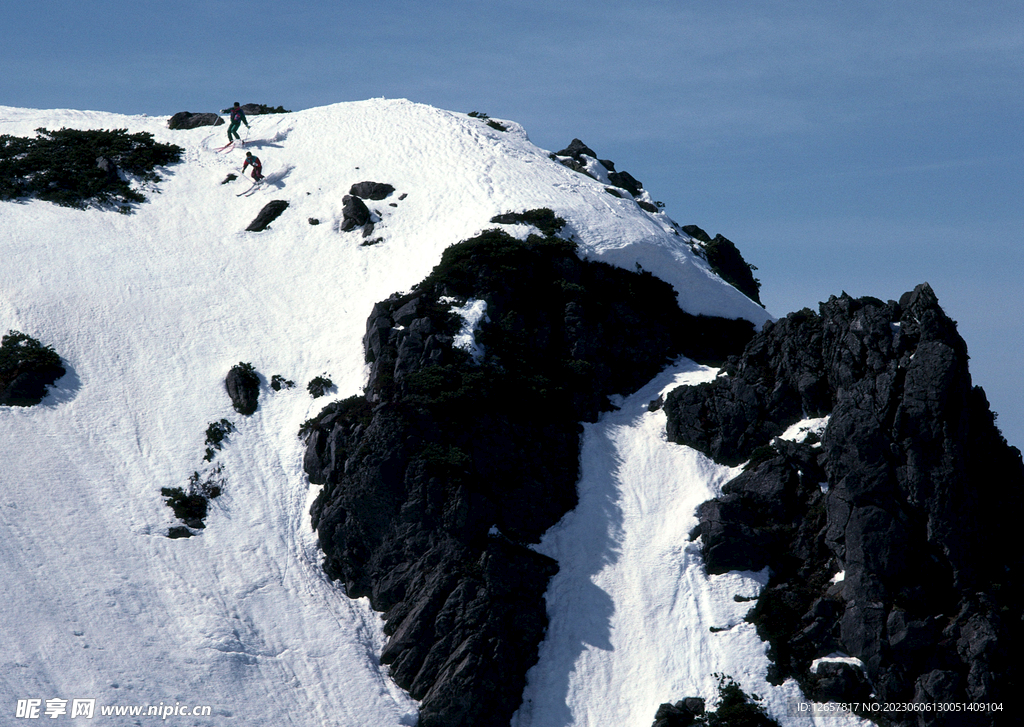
[75, 168]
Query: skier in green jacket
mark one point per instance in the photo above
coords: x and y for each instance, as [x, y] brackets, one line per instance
[237, 119]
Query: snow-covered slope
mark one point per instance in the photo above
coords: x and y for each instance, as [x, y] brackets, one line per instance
[150, 310]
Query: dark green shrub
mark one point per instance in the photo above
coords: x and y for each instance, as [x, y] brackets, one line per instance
[27, 368]
[319, 386]
[736, 708]
[64, 167]
[190, 504]
[209, 488]
[215, 434]
[278, 382]
[189, 508]
[542, 218]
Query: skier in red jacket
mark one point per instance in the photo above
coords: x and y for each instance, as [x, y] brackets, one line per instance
[257, 166]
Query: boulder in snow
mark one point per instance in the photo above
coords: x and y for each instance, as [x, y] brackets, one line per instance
[371, 190]
[354, 213]
[188, 120]
[243, 385]
[270, 212]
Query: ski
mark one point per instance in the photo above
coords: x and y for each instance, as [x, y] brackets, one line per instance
[251, 189]
[227, 147]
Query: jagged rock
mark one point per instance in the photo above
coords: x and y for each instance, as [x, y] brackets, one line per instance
[726, 260]
[371, 190]
[439, 478]
[696, 233]
[243, 386]
[257, 109]
[626, 181]
[838, 682]
[576, 149]
[354, 213]
[907, 509]
[779, 381]
[270, 212]
[188, 120]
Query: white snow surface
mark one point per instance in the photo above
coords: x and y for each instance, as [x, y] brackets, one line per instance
[473, 313]
[150, 310]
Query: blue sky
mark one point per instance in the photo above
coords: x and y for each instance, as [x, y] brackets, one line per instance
[857, 146]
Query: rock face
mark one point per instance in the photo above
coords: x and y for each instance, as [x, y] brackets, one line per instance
[726, 260]
[575, 156]
[188, 120]
[907, 493]
[452, 464]
[243, 386]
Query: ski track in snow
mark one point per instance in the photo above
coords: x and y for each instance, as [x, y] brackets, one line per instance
[150, 310]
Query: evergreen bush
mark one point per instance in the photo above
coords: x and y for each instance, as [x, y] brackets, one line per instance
[38, 366]
[319, 386]
[215, 434]
[75, 168]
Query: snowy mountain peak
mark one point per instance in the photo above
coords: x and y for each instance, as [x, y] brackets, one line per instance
[150, 310]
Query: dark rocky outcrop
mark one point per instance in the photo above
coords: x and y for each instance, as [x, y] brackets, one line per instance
[576, 149]
[573, 157]
[188, 120]
[270, 212]
[681, 714]
[696, 233]
[257, 109]
[727, 261]
[909, 493]
[27, 369]
[438, 479]
[243, 386]
[371, 190]
[735, 708]
[354, 213]
[626, 181]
